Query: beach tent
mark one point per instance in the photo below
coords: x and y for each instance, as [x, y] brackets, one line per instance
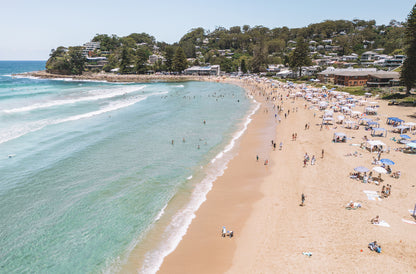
[411, 125]
[400, 129]
[350, 124]
[328, 113]
[340, 118]
[382, 132]
[364, 121]
[370, 111]
[327, 120]
[323, 105]
[339, 137]
[410, 148]
[373, 124]
[356, 114]
[346, 110]
[371, 144]
[394, 121]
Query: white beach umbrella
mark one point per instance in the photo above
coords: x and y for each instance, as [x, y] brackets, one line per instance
[379, 169]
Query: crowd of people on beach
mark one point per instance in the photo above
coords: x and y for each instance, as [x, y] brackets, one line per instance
[335, 102]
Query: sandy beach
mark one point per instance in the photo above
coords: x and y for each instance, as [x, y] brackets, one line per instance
[261, 203]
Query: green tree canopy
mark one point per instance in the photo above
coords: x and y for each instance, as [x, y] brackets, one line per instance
[408, 73]
[300, 56]
[142, 55]
[76, 60]
[179, 60]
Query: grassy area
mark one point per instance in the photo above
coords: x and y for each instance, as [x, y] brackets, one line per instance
[396, 94]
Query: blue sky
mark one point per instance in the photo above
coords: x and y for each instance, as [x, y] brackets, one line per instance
[30, 29]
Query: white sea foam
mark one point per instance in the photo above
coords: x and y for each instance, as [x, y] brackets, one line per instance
[18, 131]
[189, 178]
[179, 86]
[160, 214]
[181, 221]
[95, 95]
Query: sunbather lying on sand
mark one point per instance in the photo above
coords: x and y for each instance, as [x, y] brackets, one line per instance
[373, 246]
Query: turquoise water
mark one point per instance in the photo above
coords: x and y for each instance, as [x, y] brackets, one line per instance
[87, 168]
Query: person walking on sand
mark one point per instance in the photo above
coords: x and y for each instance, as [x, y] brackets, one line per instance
[257, 158]
[303, 199]
[223, 232]
[323, 152]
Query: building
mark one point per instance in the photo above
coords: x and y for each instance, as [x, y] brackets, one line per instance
[351, 78]
[89, 47]
[208, 70]
[154, 58]
[383, 79]
[329, 75]
[368, 56]
[96, 63]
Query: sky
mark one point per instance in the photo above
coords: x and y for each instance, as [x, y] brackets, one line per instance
[30, 29]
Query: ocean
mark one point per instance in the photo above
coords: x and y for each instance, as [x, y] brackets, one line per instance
[89, 171]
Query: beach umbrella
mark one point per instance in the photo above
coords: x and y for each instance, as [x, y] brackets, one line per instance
[387, 162]
[379, 169]
[361, 169]
[404, 136]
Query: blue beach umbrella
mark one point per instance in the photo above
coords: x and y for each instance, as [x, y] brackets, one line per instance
[404, 136]
[387, 162]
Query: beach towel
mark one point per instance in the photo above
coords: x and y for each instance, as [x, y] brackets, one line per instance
[383, 223]
[409, 222]
[307, 253]
[372, 195]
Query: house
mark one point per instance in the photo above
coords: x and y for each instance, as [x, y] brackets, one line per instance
[96, 63]
[383, 79]
[208, 70]
[89, 47]
[154, 58]
[350, 58]
[368, 56]
[275, 68]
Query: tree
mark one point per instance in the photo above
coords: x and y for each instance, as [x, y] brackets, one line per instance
[243, 66]
[125, 61]
[141, 58]
[408, 74]
[76, 60]
[300, 56]
[259, 58]
[169, 54]
[179, 60]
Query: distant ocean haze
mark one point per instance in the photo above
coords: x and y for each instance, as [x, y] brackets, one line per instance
[88, 168]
